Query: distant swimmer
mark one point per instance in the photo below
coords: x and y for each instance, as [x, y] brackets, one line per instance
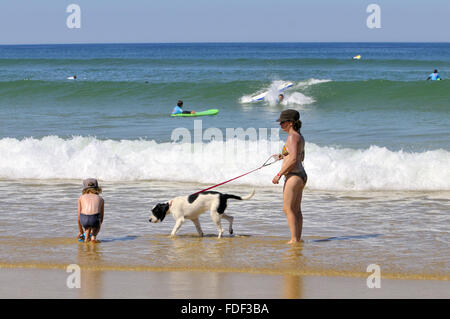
[434, 76]
[72, 77]
[178, 109]
[280, 98]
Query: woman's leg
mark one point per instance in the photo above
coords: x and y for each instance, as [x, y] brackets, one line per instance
[292, 196]
[298, 215]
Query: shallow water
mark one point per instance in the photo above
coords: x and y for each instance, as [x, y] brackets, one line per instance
[405, 233]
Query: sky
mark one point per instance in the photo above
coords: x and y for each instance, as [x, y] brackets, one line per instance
[171, 21]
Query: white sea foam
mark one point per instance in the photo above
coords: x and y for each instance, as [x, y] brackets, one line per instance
[291, 97]
[328, 168]
[310, 82]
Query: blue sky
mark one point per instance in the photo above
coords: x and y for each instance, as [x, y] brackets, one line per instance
[109, 21]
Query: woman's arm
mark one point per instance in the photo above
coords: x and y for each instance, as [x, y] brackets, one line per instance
[277, 157]
[290, 160]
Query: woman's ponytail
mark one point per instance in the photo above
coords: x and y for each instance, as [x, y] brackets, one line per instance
[297, 125]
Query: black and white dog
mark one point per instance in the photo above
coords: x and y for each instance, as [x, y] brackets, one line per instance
[192, 206]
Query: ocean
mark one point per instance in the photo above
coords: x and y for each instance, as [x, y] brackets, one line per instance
[377, 154]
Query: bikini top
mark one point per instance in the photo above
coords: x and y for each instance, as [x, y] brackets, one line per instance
[285, 151]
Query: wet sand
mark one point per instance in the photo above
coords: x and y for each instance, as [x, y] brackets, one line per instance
[52, 283]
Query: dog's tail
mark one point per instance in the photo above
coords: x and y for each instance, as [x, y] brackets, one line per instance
[239, 197]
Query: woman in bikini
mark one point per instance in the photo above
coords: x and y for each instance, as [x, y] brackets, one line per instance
[293, 155]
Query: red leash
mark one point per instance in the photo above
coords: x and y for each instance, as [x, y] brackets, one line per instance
[263, 165]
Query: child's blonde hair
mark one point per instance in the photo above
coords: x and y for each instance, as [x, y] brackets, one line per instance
[92, 190]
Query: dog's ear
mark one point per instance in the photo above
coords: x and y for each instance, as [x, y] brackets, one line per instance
[161, 207]
[165, 208]
[160, 210]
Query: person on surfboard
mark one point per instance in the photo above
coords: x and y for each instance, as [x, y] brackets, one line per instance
[178, 109]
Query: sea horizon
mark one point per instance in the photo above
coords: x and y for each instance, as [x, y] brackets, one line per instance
[234, 42]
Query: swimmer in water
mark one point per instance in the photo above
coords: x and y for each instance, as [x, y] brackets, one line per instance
[434, 76]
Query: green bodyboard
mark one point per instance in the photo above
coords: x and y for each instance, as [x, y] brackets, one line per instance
[203, 113]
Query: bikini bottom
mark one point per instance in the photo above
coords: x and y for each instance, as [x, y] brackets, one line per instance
[301, 174]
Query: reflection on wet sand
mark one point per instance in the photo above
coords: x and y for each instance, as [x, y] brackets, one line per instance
[221, 254]
[292, 287]
[319, 255]
[91, 280]
[292, 284]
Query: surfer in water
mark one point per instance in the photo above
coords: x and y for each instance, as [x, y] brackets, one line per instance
[280, 98]
[434, 76]
[293, 155]
[91, 208]
[178, 109]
